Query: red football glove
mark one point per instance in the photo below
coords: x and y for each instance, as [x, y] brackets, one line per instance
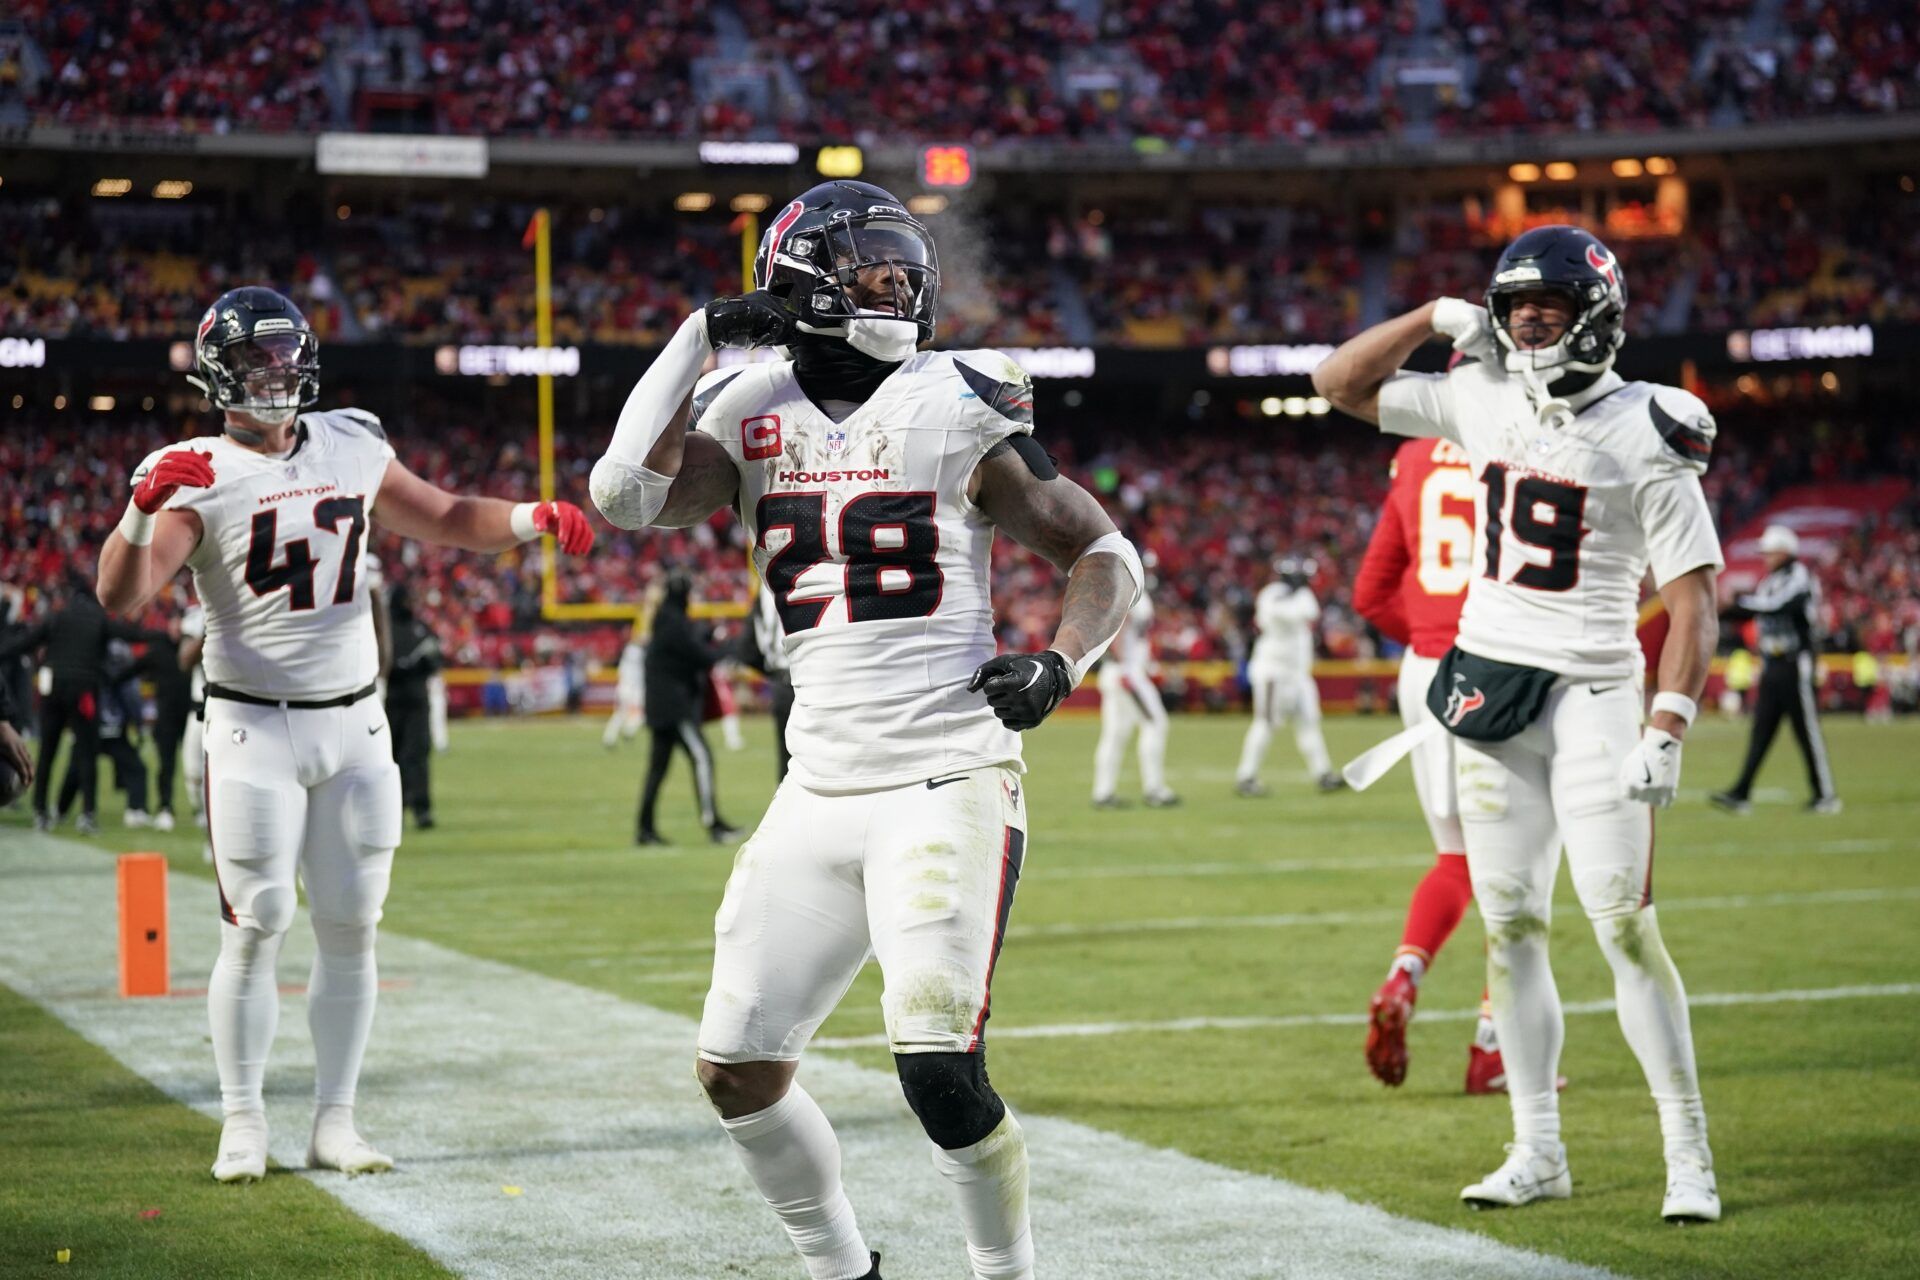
[567, 523]
[182, 468]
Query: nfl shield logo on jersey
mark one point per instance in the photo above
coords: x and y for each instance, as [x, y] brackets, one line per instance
[836, 439]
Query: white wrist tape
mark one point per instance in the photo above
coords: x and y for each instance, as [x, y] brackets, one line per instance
[520, 520]
[1112, 544]
[136, 526]
[1677, 703]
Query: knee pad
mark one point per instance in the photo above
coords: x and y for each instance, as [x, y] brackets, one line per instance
[342, 937]
[1609, 892]
[934, 1006]
[372, 808]
[951, 1095]
[1511, 905]
[245, 948]
[256, 844]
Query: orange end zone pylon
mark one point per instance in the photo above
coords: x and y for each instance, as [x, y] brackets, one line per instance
[143, 924]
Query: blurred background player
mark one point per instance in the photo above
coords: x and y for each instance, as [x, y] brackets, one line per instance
[1787, 605]
[678, 683]
[271, 516]
[763, 646]
[1280, 670]
[416, 660]
[173, 697]
[1410, 587]
[630, 691]
[1129, 702]
[121, 732]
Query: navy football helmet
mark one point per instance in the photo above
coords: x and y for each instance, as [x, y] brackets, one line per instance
[852, 263]
[255, 352]
[1572, 262]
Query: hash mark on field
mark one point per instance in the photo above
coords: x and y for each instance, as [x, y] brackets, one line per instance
[1070, 1030]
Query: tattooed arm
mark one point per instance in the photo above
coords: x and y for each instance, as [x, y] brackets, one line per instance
[705, 478]
[1059, 520]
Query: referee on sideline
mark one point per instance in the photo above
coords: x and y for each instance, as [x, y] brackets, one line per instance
[1786, 603]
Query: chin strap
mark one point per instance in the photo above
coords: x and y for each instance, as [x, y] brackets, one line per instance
[1551, 411]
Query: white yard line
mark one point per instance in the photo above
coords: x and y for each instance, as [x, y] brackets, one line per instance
[1073, 1030]
[482, 1076]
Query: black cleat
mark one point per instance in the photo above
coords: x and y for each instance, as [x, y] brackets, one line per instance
[1331, 782]
[1110, 802]
[1251, 788]
[423, 822]
[875, 1273]
[1731, 803]
[1163, 800]
[723, 833]
[650, 837]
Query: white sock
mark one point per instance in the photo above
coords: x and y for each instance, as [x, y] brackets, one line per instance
[341, 993]
[243, 1011]
[1414, 967]
[1652, 1005]
[1528, 1020]
[989, 1182]
[1254, 749]
[791, 1154]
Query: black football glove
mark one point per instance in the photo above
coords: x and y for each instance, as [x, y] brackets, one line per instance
[1024, 688]
[760, 319]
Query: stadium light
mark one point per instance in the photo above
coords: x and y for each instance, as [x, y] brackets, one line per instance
[344, 212]
[840, 162]
[1628, 168]
[1660, 166]
[1319, 406]
[750, 202]
[949, 165]
[1524, 172]
[101, 404]
[59, 402]
[927, 205]
[1271, 406]
[1294, 406]
[172, 189]
[109, 187]
[1562, 171]
[18, 401]
[693, 201]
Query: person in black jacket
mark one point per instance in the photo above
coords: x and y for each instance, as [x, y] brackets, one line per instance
[763, 646]
[16, 763]
[74, 637]
[172, 708]
[416, 657]
[1787, 604]
[678, 659]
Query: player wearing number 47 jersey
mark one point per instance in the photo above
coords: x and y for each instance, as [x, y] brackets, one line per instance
[271, 516]
[1583, 482]
[871, 476]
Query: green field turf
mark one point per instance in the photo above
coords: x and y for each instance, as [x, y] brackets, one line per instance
[1814, 1105]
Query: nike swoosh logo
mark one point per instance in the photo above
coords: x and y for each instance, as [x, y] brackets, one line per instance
[373, 729]
[932, 783]
[1601, 688]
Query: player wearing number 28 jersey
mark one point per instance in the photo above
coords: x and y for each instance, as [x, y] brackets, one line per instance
[871, 476]
[1583, 483]
[272, 518]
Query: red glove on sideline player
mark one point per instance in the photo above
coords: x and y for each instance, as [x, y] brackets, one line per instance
[182, 468]
[567, 523]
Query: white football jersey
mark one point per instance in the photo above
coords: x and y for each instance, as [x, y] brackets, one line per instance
[1131, 653]
[1569, 518]
[193, 626]
[1284, 616]
[280, 562]
[878, 563]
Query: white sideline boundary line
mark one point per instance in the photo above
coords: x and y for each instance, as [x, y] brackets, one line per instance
[482, 1076]
[1072, 1030]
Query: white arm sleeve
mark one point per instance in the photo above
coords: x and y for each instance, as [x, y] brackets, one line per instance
[1112, 544]
[628, 493]
[1418, 404]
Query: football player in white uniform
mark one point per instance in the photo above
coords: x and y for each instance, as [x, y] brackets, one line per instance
[1583, 482]
[871, 476]
[1280, 669]
[630, 691]
[1128, 701]
[271, 516]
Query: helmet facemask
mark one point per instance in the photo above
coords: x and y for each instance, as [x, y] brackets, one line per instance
[870, 279]
[1592, 338]
[269, 377]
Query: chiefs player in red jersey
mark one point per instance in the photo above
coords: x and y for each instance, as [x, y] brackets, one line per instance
[1410, 587]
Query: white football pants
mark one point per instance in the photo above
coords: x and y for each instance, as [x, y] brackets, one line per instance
[1557, 781]
[1129, 702]
[312, 796]
[1277, 698]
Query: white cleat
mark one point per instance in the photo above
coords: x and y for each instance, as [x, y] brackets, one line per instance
[1692, 1195]
[1528, 1175]
[338, 1145]
[136, 819]
[163, 820]
[243, 1148]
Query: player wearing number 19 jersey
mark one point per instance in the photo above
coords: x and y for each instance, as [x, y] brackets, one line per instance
[272, 518]
[872, 476]
[1583, 483]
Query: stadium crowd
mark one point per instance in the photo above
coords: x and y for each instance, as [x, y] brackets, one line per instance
[1316, 490]
[434, 272]
[1186, 72]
